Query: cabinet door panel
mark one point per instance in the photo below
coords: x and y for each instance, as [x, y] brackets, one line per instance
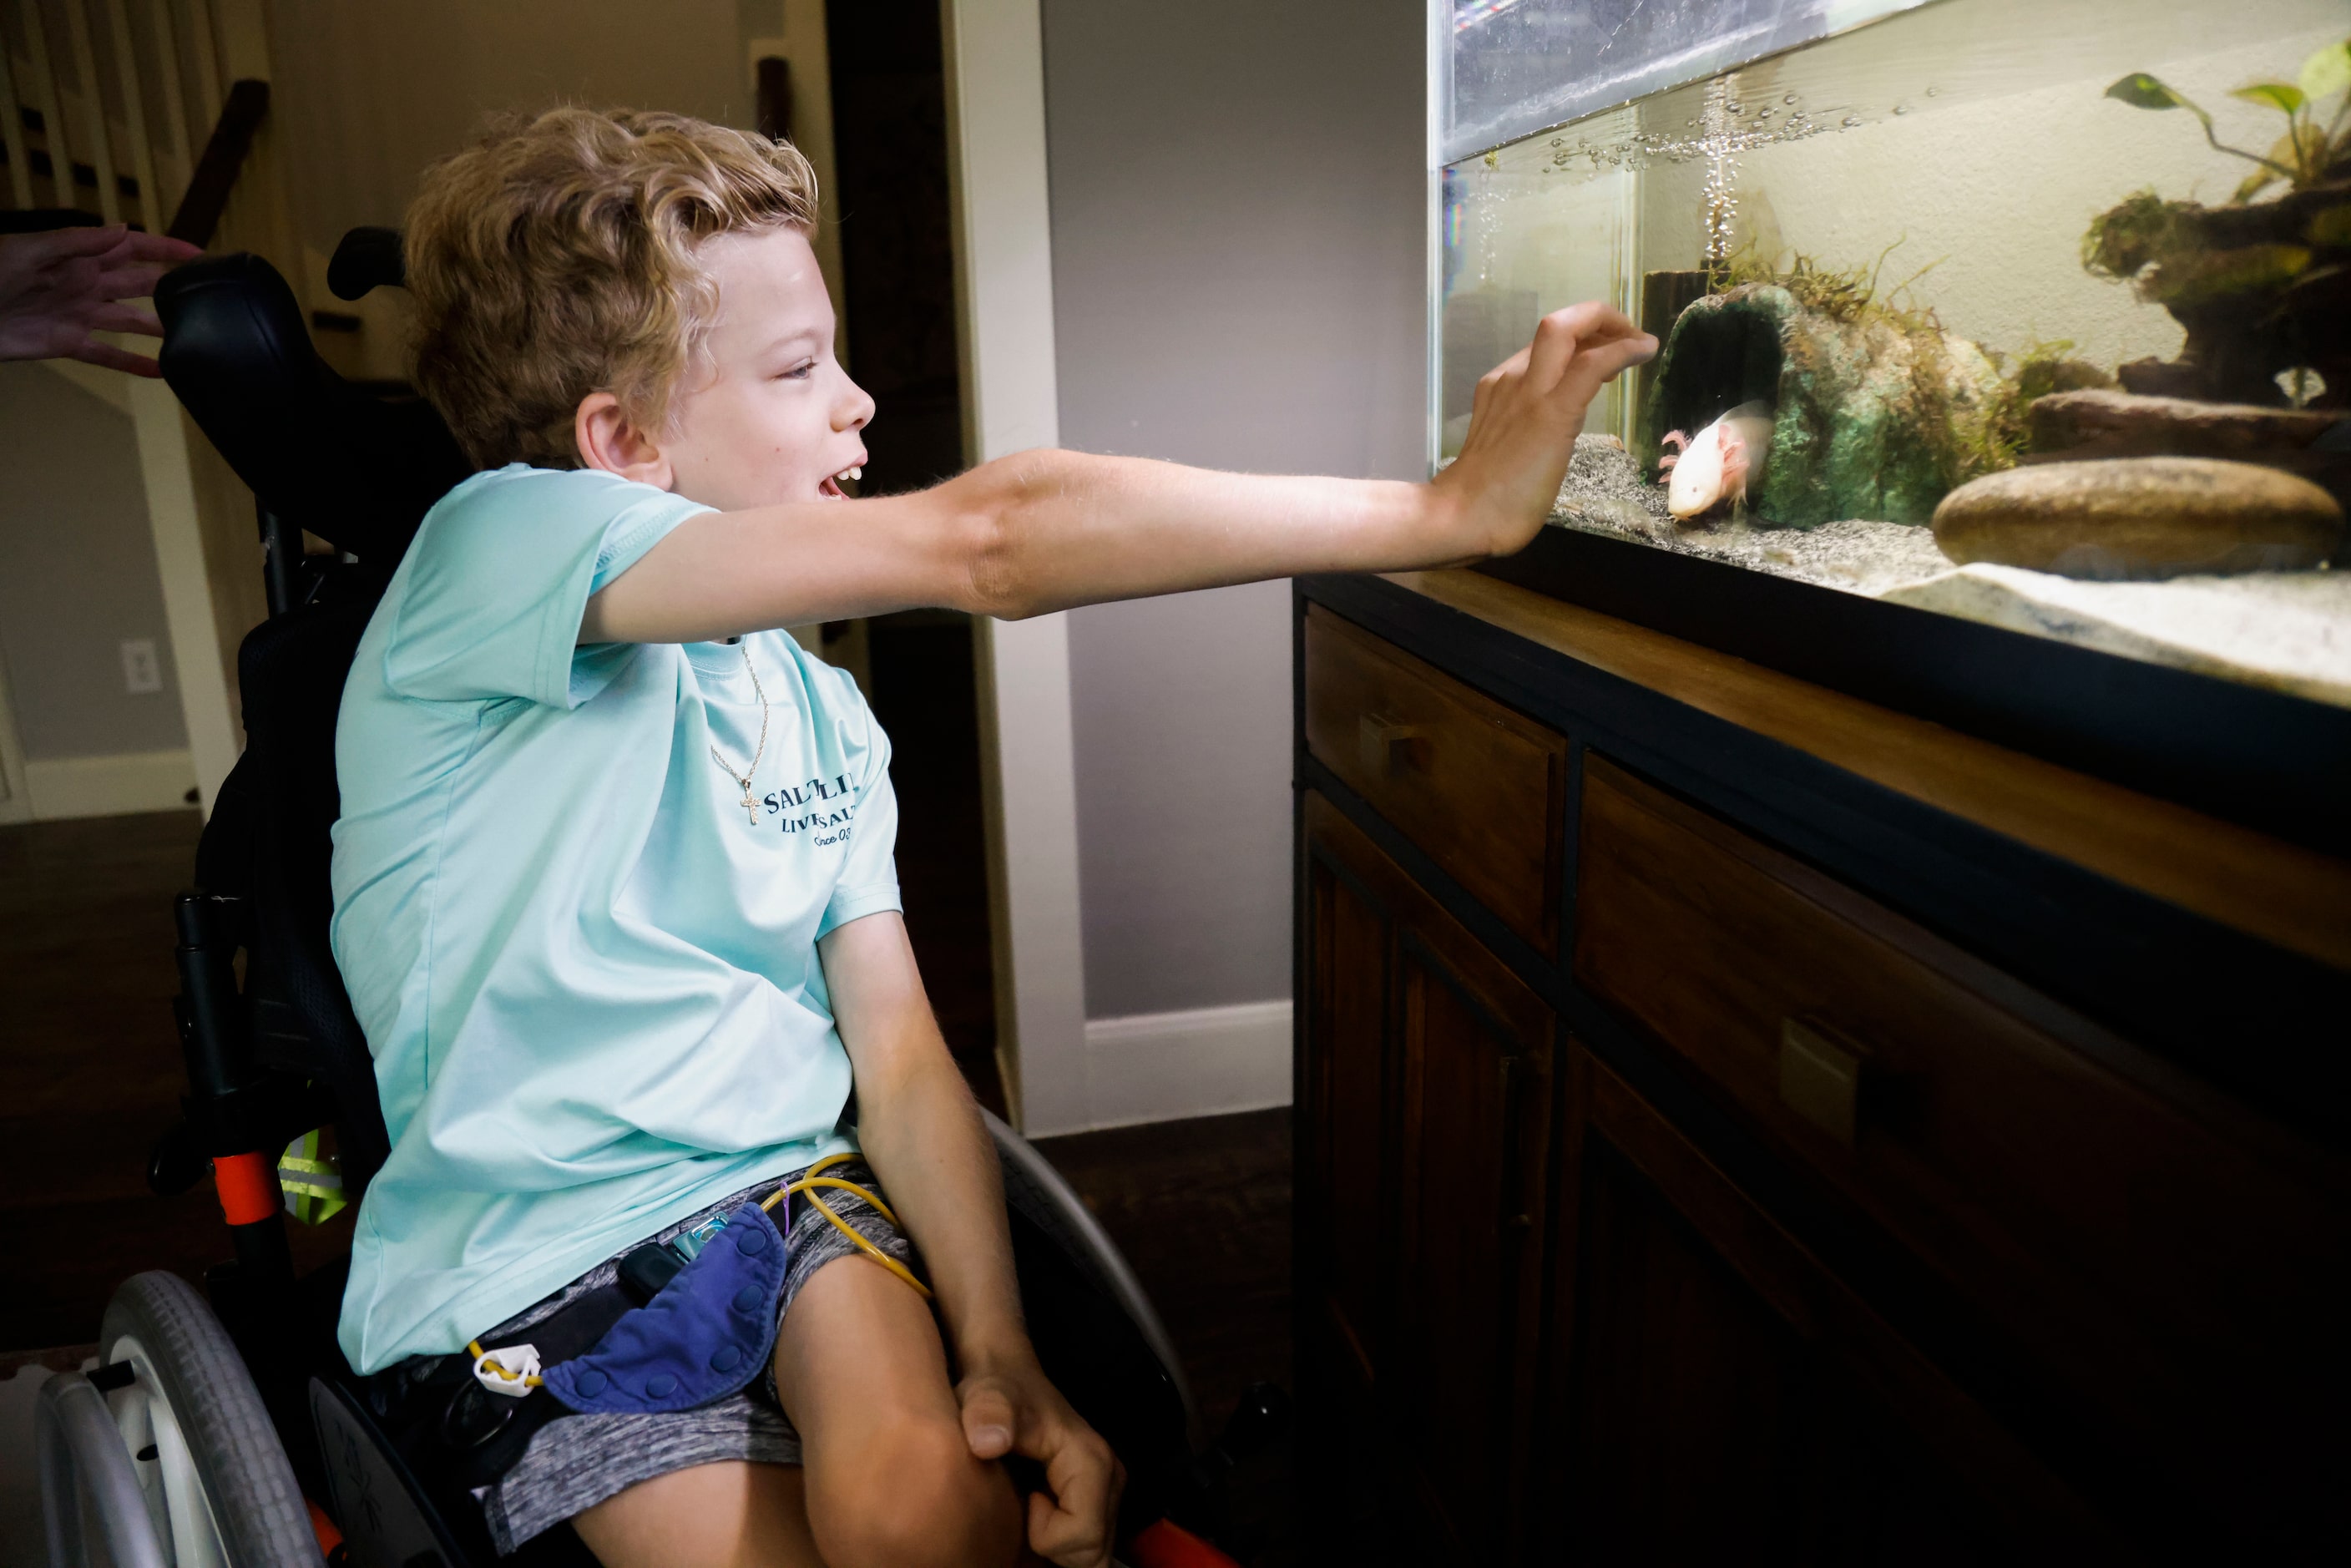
[1718, 1396]
[1349, 1064]
[1428, 1076]
[1476, 1109]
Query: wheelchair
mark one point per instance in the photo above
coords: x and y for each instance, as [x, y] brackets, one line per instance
[224, 1428]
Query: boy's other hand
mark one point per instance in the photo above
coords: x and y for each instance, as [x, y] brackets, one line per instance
[58, 287]
[1524, 419]
[1013, 1408]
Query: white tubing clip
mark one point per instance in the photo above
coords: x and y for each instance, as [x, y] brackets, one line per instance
[510, 1371]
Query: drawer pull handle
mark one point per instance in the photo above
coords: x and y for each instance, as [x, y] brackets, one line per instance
[1820, 1078]
[1380, 742]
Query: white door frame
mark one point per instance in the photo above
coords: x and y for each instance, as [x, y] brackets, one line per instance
[1004, 278]
[214, 742]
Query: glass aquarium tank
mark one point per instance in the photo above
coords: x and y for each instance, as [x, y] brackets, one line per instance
[2030, 313]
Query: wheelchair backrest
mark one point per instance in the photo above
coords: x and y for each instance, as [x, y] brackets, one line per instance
[358, 469]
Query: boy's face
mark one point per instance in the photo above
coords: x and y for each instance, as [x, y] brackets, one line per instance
[771, 417]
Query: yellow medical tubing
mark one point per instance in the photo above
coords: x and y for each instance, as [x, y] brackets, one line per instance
[500, 1373]
[807, 1184]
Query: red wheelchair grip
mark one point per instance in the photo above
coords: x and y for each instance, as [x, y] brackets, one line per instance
[248, 1186]
[1166, 1544]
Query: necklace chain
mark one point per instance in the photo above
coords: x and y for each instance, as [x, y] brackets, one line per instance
[750, 805]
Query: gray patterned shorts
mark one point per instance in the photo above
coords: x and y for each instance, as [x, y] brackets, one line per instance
[577, 1462]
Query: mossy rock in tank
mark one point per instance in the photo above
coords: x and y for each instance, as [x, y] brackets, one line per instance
[1877, 412]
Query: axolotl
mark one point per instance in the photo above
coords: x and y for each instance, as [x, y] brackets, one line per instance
[1717, 464]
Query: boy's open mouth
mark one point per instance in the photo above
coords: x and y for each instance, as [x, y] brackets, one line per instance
[830, 488]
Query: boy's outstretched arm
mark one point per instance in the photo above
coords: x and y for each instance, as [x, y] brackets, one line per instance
[922, 1134]
[1045, 530]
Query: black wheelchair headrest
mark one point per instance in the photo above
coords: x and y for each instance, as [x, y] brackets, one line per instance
[367, 258]
[356, 468]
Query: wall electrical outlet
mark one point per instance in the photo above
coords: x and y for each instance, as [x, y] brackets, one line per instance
[142, 672]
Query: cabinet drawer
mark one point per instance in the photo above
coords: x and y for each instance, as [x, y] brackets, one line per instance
[2164, 1251]
[1481, 787]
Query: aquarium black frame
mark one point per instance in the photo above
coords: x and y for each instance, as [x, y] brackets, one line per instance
[2275, 763]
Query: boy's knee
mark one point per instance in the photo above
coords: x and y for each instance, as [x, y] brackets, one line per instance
[914, 1498]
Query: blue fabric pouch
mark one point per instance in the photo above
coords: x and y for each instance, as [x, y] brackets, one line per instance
[705, 1336]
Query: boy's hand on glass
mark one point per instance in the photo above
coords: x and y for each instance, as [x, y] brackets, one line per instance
[58, 287]
[1012, 1408]
[1524, 419]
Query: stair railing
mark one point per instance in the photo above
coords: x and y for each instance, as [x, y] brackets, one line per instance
[129, 152]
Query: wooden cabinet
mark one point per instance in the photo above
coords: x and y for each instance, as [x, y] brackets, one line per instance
[1741, 1215]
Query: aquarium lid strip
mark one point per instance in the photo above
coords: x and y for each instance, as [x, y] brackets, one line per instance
[1634, 47]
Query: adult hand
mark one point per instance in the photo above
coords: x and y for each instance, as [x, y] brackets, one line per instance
[1524, 419]
[58, 287]
[1014, 1410]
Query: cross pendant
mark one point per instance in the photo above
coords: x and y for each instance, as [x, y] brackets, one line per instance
[751, 808]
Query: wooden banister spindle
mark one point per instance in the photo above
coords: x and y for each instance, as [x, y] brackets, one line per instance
[101, 154]
[135, 117]
[211, 91]
[43, 90]
[175, 105]
[12, 135]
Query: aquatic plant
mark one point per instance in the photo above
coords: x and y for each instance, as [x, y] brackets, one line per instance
[2261, 287]
[2041, 368]
[2308, 154]
[1841, 294]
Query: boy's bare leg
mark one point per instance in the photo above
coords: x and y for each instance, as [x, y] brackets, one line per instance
[727, 1515]
[891, 1480]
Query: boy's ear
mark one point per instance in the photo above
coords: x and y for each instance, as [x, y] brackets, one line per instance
[609, 440]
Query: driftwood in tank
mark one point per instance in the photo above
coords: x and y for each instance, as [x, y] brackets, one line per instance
[1877, 412]
[2260, 288]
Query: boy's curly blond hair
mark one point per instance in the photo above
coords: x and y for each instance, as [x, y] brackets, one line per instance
[557, 257]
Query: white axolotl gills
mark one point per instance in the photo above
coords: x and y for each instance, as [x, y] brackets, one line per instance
[1719, 462]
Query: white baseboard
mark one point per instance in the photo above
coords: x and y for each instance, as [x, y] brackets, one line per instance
[1161, 1067]
[109, 786]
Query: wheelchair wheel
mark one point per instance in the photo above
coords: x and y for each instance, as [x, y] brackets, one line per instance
[215, 1475]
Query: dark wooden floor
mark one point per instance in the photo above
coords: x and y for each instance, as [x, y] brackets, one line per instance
[89, 1072]
[1201, 1208]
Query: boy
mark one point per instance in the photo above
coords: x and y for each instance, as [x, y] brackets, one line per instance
[613, 888]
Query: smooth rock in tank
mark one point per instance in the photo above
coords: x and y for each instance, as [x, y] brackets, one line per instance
[2140, 518]
[2103, 423]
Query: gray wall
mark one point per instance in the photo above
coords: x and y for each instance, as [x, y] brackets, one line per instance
[1237, 199]
[77, 573]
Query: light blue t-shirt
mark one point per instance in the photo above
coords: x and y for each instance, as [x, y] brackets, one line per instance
[587, 973]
